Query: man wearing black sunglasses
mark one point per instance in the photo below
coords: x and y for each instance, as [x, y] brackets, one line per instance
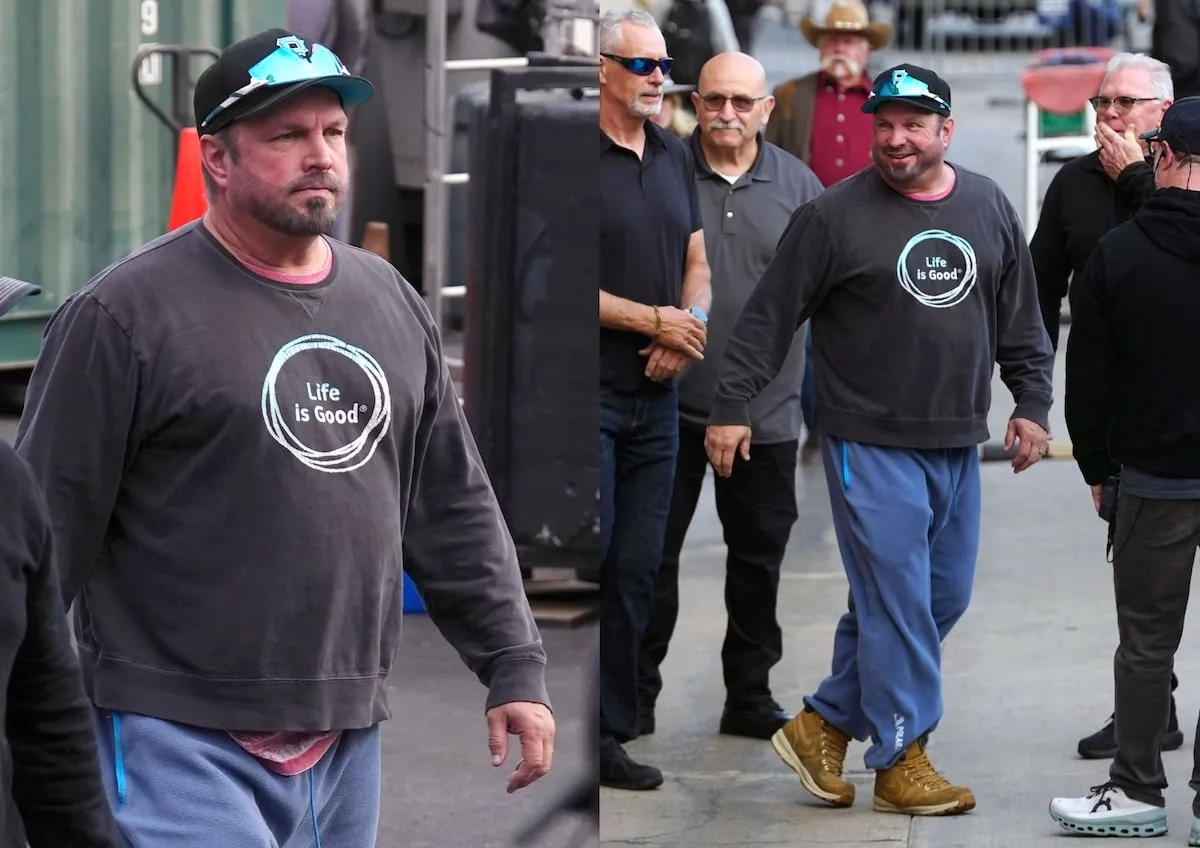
[654, 300]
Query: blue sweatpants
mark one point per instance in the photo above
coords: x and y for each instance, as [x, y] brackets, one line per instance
[907, 524]
[187, 787]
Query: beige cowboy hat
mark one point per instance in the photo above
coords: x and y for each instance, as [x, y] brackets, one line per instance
[848, 16]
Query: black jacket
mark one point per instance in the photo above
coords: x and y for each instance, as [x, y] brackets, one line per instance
[1133, 395]
[1082, 203]
[1176, 40]
[49, 769]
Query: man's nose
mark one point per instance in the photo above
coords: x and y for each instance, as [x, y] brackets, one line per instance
[657, 76]
[727, 113]
[320, 154]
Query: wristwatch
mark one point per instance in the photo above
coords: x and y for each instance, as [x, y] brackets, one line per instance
[699, 313]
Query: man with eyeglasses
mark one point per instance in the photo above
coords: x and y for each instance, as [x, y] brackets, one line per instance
[271, 439]
[748, 190]
[918, 281]
[1086, 199]
[1094, 193]
[1133, 410]
[654, 302]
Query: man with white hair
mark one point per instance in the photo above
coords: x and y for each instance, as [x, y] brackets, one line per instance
[654, 300]
[1087, 198]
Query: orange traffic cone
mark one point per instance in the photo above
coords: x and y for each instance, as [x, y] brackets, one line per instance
[188, 201]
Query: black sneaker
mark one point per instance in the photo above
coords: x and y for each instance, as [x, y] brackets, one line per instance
[619, 771]
[758, 721]
[1102, 745]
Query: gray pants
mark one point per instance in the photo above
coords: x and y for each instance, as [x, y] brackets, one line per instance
[1154, 546]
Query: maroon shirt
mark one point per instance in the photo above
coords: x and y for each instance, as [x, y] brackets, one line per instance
[841, 132]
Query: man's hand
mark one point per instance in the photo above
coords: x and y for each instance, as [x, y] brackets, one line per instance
[1033, 440]
[1097, 493]
[664, 363]
[1118, 152]
[725, 443]
[682, 331]
[534, 725]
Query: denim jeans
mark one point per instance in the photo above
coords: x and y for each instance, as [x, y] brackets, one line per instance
[639, 439]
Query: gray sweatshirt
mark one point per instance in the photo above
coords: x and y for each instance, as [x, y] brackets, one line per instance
[237, 470]
[912, 304]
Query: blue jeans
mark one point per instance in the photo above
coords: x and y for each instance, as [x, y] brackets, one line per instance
[639, 440]
[907, 525]
[189, 787]
[808, 394]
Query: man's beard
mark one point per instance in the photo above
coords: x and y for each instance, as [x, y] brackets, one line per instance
[315, 218]
[645, 110]
[908, 171]
[842, 68]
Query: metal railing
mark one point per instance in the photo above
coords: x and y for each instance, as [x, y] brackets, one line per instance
[437, 137]
[991, 37]
[564, 34]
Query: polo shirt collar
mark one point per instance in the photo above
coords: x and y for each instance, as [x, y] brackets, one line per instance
[765, 167]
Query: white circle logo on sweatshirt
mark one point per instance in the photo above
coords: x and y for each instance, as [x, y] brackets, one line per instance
[937, 268]
[327, 402]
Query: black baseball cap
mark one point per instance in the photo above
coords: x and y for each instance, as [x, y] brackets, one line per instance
[257, 73]
[910, 84]
[1180, 127]
[12, 291]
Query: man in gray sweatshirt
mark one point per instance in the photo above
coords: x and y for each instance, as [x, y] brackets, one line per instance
[918, 281]
[245, 432]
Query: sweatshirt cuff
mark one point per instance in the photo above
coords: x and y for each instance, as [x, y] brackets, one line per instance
[1036, 410]
[519, 680]
[1095, 466]
[730, 413]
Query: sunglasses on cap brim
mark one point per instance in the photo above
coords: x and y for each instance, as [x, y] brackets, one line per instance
[285, 66]
[908, 86]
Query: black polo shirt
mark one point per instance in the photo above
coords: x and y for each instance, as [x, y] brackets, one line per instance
[648, 212]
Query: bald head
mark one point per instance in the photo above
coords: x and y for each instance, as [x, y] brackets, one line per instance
[732, 102]
[734, 69]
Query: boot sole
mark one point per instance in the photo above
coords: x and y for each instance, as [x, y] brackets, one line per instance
[950, 808]
[786, 753]
[1171, 742]
[1130, 827]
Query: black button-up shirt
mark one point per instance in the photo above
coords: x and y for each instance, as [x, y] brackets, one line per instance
[648, 212]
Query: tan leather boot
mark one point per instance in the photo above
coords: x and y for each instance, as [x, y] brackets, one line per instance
[816, 750]
[913, 787]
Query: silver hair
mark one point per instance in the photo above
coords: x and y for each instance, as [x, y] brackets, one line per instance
[609, 36]
[1160, 72]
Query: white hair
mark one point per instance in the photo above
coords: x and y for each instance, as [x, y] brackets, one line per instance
[609, 36]
[1160, 72]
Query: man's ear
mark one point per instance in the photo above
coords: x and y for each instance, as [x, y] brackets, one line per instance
[215, 156]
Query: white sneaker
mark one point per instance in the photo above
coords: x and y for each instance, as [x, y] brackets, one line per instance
[1108, 811]
[1194, 833]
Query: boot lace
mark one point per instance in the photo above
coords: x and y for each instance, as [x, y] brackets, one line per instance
[833, 748]
[921, 771]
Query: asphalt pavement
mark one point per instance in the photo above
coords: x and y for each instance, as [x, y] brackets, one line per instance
[1028, 670]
